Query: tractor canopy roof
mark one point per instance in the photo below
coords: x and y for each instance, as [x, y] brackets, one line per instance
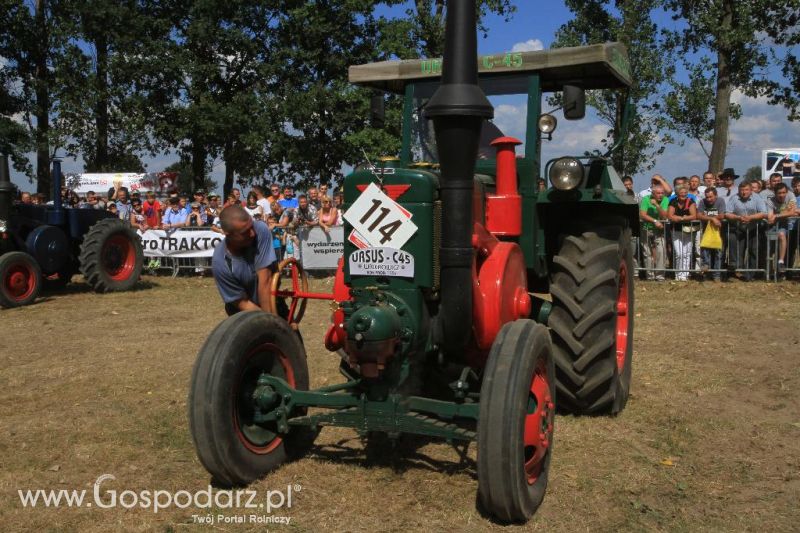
[598, 66]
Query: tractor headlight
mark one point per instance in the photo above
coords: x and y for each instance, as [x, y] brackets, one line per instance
[547, 123]
[566, 173]
[3, 226]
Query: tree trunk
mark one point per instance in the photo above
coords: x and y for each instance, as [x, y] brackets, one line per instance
[199, 155]
[41, 84]
[227, 187]
[101, 162]
[719, 143]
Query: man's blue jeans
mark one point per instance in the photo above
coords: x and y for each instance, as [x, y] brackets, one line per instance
[712, 259]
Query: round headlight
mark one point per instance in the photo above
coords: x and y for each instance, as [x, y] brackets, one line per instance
[3, 226]
[566, 173]
[547, 123]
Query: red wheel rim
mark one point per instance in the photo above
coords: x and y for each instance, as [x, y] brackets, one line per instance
[269, 358]
[538, 432]
[622, 316]
[118, 257]
[19, 281]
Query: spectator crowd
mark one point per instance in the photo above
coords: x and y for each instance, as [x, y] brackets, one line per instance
[283, 212]
[713, 226]
[695, 226]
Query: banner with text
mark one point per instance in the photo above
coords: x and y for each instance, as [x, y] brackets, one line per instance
[320, 250]
[180, 242]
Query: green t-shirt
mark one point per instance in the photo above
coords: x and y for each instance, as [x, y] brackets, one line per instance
[652, 210]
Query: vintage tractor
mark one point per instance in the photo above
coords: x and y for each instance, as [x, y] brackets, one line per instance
[44, 245]
[435, 322]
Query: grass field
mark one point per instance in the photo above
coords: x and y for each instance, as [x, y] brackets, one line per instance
[710, 441]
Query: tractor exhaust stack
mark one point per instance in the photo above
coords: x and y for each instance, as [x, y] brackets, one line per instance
[458, 109]
[6, 189]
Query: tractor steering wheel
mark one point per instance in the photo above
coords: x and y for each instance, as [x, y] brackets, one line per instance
[299, 285]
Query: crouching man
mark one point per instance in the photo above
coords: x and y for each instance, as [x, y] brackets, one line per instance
[243, 264]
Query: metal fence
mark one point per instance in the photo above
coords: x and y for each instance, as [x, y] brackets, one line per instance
[749, 251]
[175, 265]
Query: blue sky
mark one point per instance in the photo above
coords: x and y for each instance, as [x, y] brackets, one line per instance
[533, 27]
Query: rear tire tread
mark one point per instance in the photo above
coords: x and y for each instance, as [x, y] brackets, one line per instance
[91, 263]
[584, 287]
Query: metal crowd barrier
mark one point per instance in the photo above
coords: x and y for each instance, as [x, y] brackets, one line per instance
[197, 265]
[792, 260]
[747, 250]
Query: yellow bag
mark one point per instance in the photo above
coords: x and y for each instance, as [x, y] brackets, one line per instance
[711, 238]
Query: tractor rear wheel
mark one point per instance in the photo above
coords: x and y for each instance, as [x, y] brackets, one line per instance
[515, 424]
[20, 279]
[111, 256]
[592, 317]
[230, 445]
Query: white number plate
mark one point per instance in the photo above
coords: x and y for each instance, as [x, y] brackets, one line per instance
[379, 220]
[389, 262]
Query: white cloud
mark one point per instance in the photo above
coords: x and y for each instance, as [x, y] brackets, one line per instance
[530, 45]
[511, 119]
[762, 126]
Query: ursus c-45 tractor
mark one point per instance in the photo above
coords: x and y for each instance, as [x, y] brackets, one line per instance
[435, 321]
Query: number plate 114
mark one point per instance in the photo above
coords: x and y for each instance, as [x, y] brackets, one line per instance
[380, 220]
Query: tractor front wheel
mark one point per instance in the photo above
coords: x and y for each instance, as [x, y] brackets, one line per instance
[111, 256]
[515, 424]
[20, 279]
[229, 443]
[592, 317]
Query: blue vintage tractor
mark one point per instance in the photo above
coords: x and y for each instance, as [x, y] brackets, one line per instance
[45, 245]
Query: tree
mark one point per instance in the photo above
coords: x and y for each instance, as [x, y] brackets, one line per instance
[629, 22]
[327, 119]
[14, 137]
[730, 36]
[32, 43]
[690, 106]
[421, 32]
[185, 180]
[752, 174]
[102, 112]
[216, 103]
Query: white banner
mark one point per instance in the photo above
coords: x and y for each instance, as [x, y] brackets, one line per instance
[102, 182]
[180, 242]
[320, 250]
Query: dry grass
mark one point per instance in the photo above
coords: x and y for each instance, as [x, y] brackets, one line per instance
[710, 439]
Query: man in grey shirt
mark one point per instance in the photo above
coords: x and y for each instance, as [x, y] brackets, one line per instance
[744, 213]
[243, 264]
[781, 207]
